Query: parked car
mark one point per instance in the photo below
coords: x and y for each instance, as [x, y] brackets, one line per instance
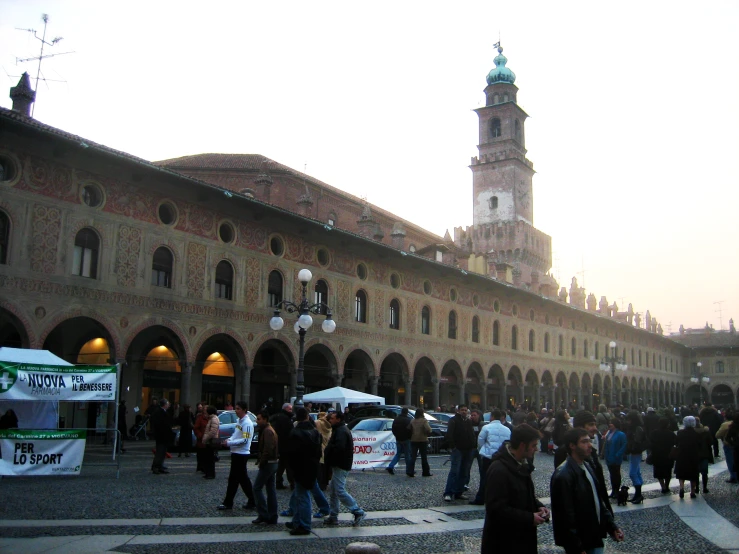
[441, 416]
[438, 428]
[228, 419]
[372, 424]
[438, 440]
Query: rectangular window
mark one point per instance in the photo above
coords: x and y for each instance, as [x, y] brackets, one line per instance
[439, 256]
[83, 262]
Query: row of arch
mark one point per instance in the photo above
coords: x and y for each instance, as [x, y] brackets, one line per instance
[216, 364]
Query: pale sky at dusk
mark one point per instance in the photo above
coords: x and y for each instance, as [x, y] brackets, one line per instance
[634, 111]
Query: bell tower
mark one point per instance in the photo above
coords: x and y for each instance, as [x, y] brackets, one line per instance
[503, 229]
[501, 172]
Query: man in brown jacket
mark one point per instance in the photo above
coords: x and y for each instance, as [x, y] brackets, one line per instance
[268, 460]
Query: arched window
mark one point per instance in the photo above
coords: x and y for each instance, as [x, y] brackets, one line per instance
[573, 346]
[475, 329]
[493, 204]
[274, 288]
[719, 367]
[532, 345]
[496, 333]
[585, 348]
[161, 268]
[360, 307]
[394, 314]
[514, 338]
[517, 130]
[4, 237]
[452, 332]
[495, 127]
[546, 343]
[320, 295]
[85, 262]
[426, 321]
[561, 346]
[654, 360]
[224, 280]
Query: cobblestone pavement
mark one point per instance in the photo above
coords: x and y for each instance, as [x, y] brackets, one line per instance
[141, 512]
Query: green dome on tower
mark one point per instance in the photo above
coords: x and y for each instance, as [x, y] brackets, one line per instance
[501, 74]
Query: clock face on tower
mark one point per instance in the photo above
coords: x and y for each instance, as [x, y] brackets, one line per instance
[523, 196]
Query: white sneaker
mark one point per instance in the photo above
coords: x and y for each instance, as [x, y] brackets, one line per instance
[447, 498]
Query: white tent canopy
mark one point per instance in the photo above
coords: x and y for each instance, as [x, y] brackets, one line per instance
[343, 397]
[32, 415]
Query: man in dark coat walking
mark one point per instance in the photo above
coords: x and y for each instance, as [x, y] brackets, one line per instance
[282, 423]
[580, 513]
[461, 437]
[710, 417]
[339, 456]
[402, 433]
[304, 454]
[512, 511]
[162, 427]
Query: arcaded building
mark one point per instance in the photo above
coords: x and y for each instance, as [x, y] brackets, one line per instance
[172, 268]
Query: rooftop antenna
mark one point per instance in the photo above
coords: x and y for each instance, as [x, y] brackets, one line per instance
[582, 264]
[40, 57]
[720, 314]
[669, 327]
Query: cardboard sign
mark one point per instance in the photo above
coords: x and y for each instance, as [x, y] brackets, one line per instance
[373, 449]
[44, 382]
[54, 452]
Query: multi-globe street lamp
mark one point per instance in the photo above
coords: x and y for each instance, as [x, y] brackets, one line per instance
[700, 379]
[612, 363]
[304, 308]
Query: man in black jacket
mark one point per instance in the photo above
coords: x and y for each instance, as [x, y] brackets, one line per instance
[586, 420]
[162, 427]
[512, 511]
[402, 432]
[339, 456]
[303, 450]
[461, 437]
[580, 513]
[282, 423]
[710, 417]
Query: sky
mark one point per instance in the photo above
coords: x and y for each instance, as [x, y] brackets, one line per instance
[633, 112]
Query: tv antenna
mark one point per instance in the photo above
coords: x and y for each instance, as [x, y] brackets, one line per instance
[582, 265]
[41, 56]
[720, 314]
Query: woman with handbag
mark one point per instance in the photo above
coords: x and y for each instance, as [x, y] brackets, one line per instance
[420, 433]
[687, 462]
[662, 440]
[211, 443]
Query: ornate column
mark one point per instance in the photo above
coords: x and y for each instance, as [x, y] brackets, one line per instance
[245, 372]
[579, 397]
[521, 393]
[373, 384]
[537, 398]
[185, 381]
[566, 396]
[408, 386]
[504, 393]
[484, 395]
[435, 403]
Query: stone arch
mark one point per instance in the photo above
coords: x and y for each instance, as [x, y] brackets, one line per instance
[66, 334]
[395, 379]
[587, 393]
[163, 322]
[358, 370]
[320, 365]
[496, 387]
[722, 395]
[15, 328]
[217, 375]
[102, 321]
[575, 391]
[274, 336]
[475, 386]
[425, 384]
[213, 331]
[273, 378]
[451, 384]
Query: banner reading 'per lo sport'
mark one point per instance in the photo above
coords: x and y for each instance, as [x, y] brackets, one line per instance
[54, 452]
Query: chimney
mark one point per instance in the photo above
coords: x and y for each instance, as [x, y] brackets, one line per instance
[366, 223]
[503, 272]
[263, 183]
[397, 237]
[23, 96]
[305, 205]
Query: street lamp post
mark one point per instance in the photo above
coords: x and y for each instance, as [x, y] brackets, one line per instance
[612, 363]
[304, 308]
[699, 378]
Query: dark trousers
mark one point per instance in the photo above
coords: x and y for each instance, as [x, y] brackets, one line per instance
[208, 461]
[283, 467]
[715, 445]
[615, 473]
[324, 476]
[484, 465]
[238, 477]
[159, 454]
[417, 447]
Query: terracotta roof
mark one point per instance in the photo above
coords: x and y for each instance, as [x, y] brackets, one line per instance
[718, 339]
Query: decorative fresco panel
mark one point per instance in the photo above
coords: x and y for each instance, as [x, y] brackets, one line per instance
[380, 308]
[47, 225]
[127, 256]
[344, 298]
[253, 278]
[195, 269]
[412, 314]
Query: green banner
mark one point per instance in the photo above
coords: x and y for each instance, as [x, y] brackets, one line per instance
[45, 382]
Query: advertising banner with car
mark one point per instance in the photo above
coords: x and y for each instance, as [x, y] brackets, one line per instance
[373, 449]
[52, 452]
